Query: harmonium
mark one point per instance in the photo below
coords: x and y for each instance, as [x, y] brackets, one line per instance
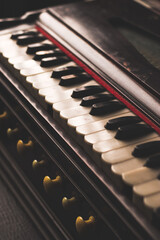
[80, 118]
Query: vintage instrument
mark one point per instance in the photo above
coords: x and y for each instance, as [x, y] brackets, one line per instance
[80, 118]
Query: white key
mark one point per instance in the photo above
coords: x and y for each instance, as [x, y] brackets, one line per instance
[74, 112]
[6, 34]
[44, 78]
[5, 37]
[132, 163]
[34, 71]
[39, 70]
[99, 136]
[9, 31]
[56, 93]
[18, 59]
[90, 128]
[126, 166]
[13, 50]
[147, 188]
[69, 103]
[93, 138]
[59, 106]
[45, 83]
[119, 155]
[117, 170]
[6, 43]
[118, 161]
[52, 97]
[152, 201]
[30, 63]
[10, 49]
[87, 118]
[108, 145]
[39, 77]
[105, 146]
[96, 126]
[140, 175]
[59, 93]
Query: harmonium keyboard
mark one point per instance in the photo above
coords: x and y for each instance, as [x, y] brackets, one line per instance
[80, 118]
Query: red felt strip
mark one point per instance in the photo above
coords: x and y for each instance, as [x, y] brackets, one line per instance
[100, 80]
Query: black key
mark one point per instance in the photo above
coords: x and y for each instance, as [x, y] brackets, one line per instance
[100, 97]
[29, 39]
[73, 79]
[35, 47]
[48, 53]
[86, 91]
[53, 61]
[14, 36]
[153, 161]
[146, 149]
[102, 108]
[115, 123]
[64, 71]
[133, 131]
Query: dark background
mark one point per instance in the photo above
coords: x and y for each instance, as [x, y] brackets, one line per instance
[16, 8]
